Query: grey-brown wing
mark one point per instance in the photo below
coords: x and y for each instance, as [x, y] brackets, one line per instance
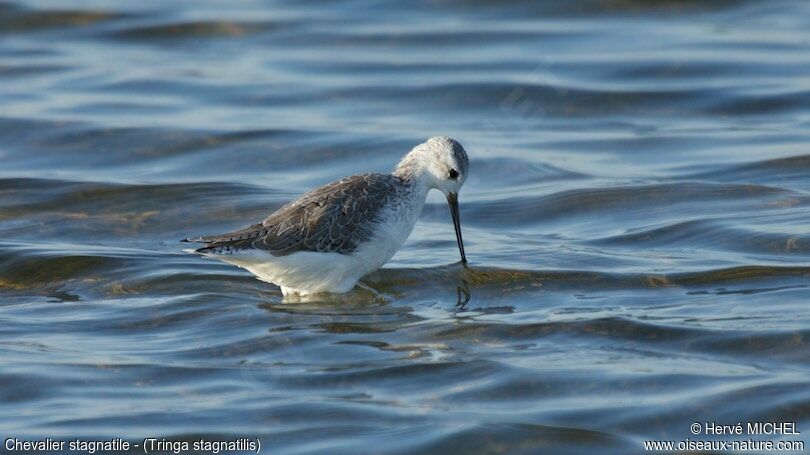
[336, 217]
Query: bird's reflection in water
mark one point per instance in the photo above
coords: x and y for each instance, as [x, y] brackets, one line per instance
[396, 289]
[357, 299]
[463, 294]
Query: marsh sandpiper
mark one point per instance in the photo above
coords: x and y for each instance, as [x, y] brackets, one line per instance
[329, 238]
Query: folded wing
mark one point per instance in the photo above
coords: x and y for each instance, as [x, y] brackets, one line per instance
[336, 217]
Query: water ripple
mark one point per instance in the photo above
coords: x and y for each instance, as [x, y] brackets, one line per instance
[635, 218]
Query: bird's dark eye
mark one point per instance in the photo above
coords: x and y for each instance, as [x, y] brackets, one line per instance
[453, 174]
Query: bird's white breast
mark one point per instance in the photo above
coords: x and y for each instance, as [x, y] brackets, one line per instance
[393, 227]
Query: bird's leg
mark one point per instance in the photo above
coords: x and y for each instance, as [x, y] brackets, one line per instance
[379, 297]
[465, 292]
[362, 285]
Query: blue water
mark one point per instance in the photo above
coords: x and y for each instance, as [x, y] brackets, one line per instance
[636, 218]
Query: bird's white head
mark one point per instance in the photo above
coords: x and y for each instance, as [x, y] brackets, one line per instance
[440, 163]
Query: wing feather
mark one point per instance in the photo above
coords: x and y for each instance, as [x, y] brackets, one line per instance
[336, 217]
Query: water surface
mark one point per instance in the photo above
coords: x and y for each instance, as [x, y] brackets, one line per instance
[636, 219]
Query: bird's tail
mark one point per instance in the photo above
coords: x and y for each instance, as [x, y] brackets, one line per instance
[228, 242]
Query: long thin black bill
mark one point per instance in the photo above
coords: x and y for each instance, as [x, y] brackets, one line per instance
[452, 200]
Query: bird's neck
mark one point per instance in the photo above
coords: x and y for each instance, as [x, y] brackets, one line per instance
[410, 167]
[412, 170]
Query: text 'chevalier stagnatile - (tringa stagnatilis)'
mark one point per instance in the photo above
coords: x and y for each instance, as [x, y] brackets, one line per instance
[329, 238]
